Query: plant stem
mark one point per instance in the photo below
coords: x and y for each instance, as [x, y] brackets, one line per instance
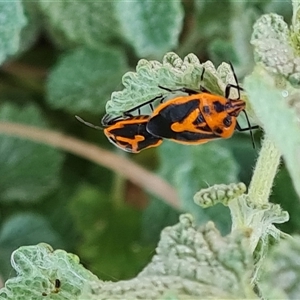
[264, 173]
[121, 165]
[118, 188]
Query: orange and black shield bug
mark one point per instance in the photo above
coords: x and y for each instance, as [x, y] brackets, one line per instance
[128, 134]
[198, 117]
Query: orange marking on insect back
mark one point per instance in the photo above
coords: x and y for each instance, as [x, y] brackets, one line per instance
[132, 142]
[131, 135]
[195, 119]
[187, 124]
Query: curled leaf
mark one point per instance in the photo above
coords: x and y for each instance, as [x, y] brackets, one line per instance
[38, 269]
[219, 193]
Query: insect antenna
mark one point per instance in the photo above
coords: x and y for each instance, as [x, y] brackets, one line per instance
[88, 124]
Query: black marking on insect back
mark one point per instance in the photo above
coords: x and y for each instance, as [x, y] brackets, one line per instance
[160, 125]
[227, 121]
[199, 120]
[121, 143]
[218, 106]
[187, 136]
[200, 123]
[206, 109]
[149, 141]
[178, 112]
[130, 130]
[205, 127]
[218, 130]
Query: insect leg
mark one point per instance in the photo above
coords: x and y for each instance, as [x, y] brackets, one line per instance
[184, 90]
[202, 88]
[230, 86]
[238, 127]
[127, 112]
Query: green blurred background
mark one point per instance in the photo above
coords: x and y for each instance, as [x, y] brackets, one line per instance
[61, 59]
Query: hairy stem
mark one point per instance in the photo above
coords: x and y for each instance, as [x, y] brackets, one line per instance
[118, 164]
[264, 173]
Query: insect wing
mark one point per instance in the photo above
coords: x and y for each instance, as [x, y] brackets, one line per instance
[181, 120]
[131, 135]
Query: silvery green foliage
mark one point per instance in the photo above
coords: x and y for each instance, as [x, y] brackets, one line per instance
[273, 86]
[38, 267]
[276, 46]
[189, 262]
[174, 73]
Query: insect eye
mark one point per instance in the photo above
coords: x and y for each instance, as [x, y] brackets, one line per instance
[227, 121]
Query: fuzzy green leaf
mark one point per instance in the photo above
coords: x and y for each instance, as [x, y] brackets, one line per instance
[12, 20]
[151, 26]
[74, 22]
[24, 229]
[281, 271]
[185, 265]
[28, 170]
[275, 47]
[174, 73]
[194, 167]
[84, 79]
[38, 267]
[282, 125]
